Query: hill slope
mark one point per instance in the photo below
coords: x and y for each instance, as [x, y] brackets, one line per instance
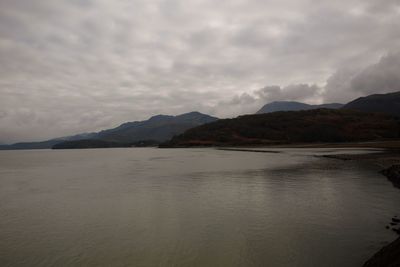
[45, 144]
[384, 103]
[157, 129]
[294, 106]
[321, 125]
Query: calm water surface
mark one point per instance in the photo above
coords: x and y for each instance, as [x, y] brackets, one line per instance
[190, 207]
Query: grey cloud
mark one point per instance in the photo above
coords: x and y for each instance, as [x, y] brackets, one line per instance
[248, 103]
[343, 86]
[382, 77]
[375, 6]
[73, 66]
[294, 92]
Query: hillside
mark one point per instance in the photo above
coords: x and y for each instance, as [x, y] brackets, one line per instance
[30, 145]
[311, 126]
[294, 106]
[45, 144]
[384, 103]
[157, 129]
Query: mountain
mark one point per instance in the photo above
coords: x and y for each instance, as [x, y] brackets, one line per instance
[45, 144]
[384, 103]
[159, 128]
[286, 127]
[156, 129]
[31, 145]
[294, 106]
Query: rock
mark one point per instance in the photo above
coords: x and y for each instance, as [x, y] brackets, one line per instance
[393, 174]
[388, 256]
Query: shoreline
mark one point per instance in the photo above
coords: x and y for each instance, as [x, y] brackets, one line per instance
[389, 162]
[373, 145]
[387, 159]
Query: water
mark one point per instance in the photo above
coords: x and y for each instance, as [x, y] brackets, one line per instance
[190, 207]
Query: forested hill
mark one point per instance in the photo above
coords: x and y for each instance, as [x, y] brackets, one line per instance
[310, 126]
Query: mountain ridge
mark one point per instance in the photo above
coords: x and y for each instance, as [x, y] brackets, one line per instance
[294, 106]
[385, 103]
[157, 128]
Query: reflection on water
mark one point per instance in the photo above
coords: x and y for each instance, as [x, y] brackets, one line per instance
[190, 207]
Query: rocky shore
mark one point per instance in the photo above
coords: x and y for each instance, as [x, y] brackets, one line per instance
[389, 256]
[393, 174]
[386, 155]
[389, 161]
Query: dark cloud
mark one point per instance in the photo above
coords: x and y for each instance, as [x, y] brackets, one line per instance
[343, 86]
[382, 77]
[71, 66]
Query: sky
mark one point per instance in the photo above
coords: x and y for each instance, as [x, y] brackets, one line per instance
[74, 66]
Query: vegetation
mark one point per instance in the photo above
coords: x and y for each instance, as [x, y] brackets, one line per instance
[310, 126]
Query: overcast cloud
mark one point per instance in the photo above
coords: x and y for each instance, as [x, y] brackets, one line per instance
[72, 66]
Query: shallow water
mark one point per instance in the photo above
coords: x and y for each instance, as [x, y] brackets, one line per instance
[190, 207]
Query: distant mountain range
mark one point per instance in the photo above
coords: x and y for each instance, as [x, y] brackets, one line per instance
[288, 127]
[46, 144]
[383, 103]
[156, 129]
[375, 117]
[162, 128]
[294, 106]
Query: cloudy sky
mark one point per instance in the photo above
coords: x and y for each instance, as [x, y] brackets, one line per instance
[72, 66]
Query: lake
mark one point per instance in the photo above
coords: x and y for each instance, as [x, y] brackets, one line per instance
[191, 207]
